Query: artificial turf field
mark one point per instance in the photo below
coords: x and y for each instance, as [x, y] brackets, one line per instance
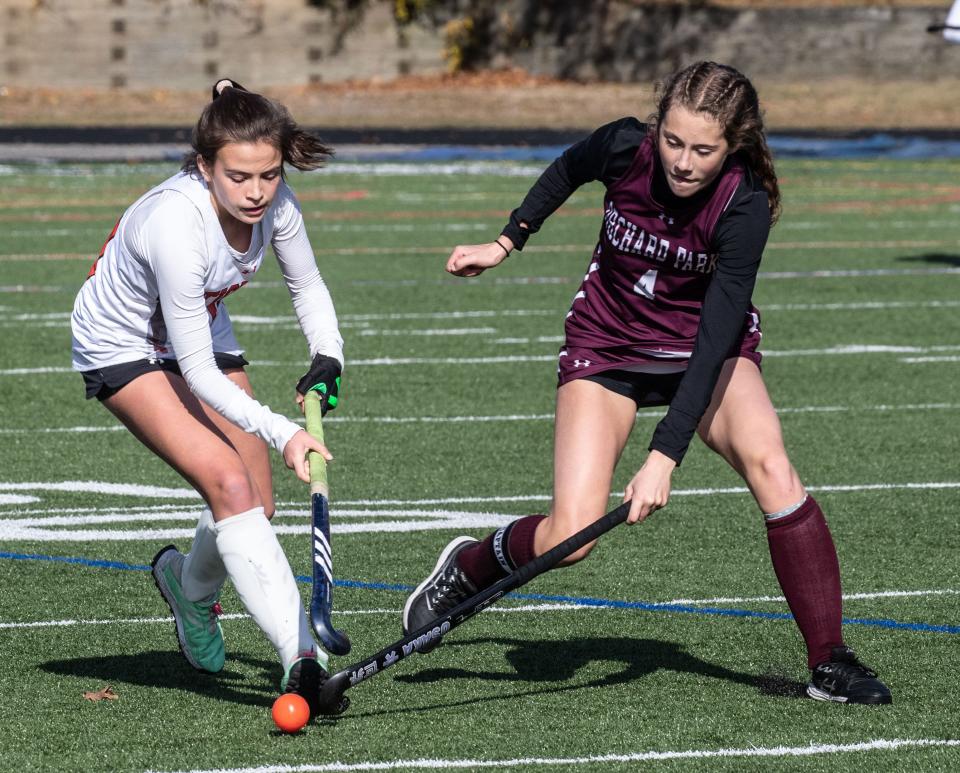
[668, 650]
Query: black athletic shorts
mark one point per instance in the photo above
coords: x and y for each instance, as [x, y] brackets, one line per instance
[645, 389]
[106, 382]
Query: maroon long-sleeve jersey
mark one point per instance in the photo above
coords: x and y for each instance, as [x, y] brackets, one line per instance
[669, 283]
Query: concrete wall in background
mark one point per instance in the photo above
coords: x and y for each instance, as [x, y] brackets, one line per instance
[175, 44]
[143, 44]
[635, 41]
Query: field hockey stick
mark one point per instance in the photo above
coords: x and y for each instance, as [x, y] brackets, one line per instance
[333, 689]
[321, 599]
[942, 27]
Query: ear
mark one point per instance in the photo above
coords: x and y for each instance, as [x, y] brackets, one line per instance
[205, 171]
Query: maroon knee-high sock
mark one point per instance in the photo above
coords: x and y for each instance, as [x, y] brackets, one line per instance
[508, 548]
[805, 561]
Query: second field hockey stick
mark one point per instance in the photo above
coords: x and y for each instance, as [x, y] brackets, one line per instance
[331, 694]
[321, 599]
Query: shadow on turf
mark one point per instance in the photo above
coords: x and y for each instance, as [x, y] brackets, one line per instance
[558, 662]
[169, 671]
[932, 257]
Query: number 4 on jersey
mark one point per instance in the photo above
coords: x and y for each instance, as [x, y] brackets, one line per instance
[644, 285]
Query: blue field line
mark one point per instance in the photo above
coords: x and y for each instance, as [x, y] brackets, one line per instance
[646, 606]
[82, 561]
[690, 609]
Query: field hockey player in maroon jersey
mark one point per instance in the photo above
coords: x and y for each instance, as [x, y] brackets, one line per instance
[664, 317]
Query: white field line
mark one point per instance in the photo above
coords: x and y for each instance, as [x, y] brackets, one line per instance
[42, 229]
[848, 349]
[386, 420]
[100, 487]
[61, 518]
[155, 492]
[840, 350]
[852, 273]
[795, 225]
[152, 620]
[918, 360]
[516, 607]
[449, 314]
[855, 273]
[387, 316]
[815, 225]
[417, 169]
[839, 488]
[883, 594]
[432, 332]
[23, 289]
[17, 499]
[586, 249]
[771, 752]
[43, 430]
[495, 313]
[362, 322]
[384, 516]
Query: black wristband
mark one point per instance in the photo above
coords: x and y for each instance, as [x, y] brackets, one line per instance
[503, 247]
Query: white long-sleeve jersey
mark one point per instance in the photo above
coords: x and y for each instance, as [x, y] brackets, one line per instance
[157, 291]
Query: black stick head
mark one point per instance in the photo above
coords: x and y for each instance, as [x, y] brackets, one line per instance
[332, 700]
[336, 642]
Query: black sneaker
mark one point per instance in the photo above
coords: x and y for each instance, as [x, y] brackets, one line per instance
[305, 677]
[446, 587]
[845, 679]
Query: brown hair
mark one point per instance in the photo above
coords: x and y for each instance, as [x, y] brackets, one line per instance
[237, 115]
[727, 96]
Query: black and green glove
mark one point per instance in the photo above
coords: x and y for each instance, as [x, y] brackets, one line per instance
[324, 377]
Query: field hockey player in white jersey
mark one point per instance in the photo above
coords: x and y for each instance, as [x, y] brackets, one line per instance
[154, 344]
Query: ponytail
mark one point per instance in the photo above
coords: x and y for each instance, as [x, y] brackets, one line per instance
[237, 115]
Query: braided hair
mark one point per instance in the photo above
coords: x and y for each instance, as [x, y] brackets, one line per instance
[727, 96]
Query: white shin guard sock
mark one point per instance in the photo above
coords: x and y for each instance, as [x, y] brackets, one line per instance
[203, 571]
[262, 577]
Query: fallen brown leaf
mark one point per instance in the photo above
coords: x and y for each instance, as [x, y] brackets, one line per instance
[106, 694]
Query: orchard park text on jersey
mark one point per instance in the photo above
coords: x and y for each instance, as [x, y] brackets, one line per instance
[626, 236]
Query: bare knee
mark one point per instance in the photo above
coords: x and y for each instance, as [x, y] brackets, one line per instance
[231, 491]
[773, 479]
[774, 469]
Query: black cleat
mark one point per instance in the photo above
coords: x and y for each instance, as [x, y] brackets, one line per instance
[305, 677]
[446, 587]
[845, 679]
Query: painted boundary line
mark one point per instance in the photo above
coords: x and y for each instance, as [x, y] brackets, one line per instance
[851, 273]
[841, 349]
[150, 620]
[159, 492]
[62, 318]
[586, 249]
[643, 606]
[878, 744]
[643, 414]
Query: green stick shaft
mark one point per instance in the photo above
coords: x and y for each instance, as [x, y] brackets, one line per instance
[318, 465]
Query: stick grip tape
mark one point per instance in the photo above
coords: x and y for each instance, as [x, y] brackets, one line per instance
[318, 465]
